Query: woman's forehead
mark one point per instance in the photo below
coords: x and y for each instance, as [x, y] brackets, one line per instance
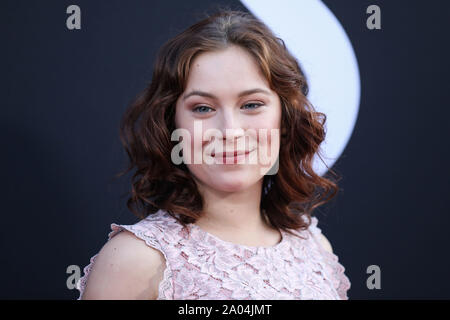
[227, 68]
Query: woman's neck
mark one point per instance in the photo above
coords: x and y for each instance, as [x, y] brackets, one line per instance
[233, 211]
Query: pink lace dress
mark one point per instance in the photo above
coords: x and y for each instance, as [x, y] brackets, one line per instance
[199, 265]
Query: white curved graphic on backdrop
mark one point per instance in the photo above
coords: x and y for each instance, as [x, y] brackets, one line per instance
[315, 37]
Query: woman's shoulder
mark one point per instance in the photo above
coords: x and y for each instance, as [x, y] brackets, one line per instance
[127, 248]
[151, 229]
[130, 251]
[125, 268]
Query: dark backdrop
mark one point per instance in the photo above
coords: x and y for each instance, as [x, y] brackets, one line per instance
[63, 93]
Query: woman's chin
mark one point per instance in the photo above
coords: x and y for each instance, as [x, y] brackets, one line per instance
[231, 185]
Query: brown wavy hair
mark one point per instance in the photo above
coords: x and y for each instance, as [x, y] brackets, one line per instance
[145, 129]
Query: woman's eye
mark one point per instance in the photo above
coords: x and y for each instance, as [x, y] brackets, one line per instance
[254, 104]
[201, 108]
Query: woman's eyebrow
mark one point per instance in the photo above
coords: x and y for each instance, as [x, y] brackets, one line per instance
[210, 95]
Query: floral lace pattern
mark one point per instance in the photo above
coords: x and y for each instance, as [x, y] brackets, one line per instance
[200, 265]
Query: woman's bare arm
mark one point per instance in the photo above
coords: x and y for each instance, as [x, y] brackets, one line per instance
[126, 268]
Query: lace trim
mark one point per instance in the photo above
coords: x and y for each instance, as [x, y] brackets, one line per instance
[341, 281]
[81, 284]
[281, 245]
[165, 288]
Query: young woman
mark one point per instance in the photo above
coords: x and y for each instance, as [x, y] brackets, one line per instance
[230, 226]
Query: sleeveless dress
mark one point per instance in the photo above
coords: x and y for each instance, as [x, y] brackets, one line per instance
[199, 265]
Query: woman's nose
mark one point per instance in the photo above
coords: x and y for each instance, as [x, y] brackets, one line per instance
[231, 125]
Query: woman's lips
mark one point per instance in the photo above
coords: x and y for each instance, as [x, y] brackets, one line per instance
[230, 154]
[236, 157]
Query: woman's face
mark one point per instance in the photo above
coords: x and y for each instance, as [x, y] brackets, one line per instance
[220, 117]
